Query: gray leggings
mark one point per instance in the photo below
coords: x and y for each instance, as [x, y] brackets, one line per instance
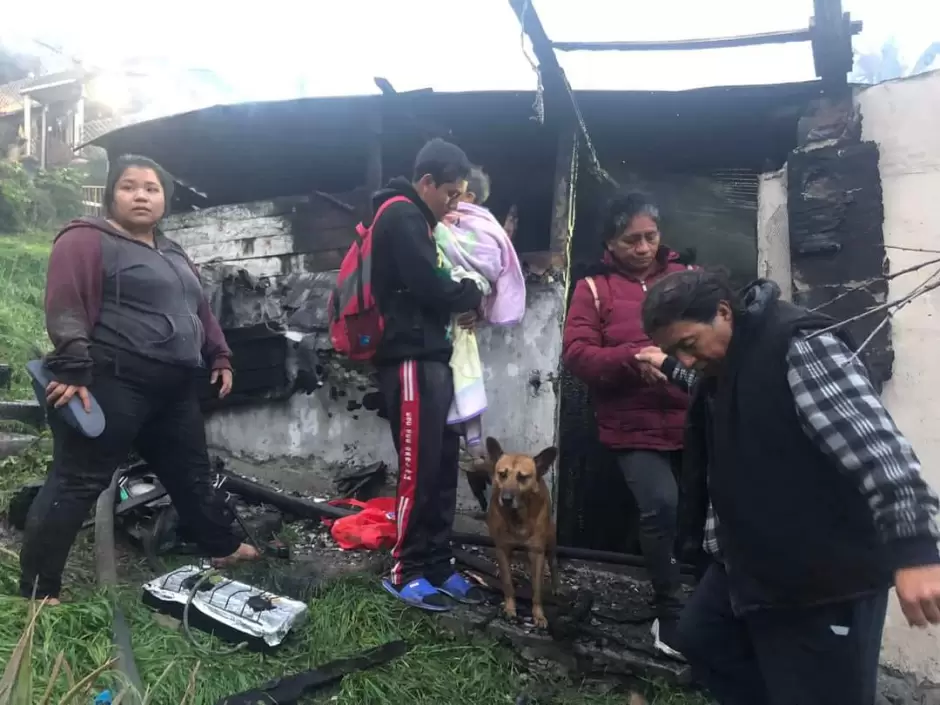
[649, 476]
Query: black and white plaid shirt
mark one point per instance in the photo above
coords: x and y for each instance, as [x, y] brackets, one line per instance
[842, 414]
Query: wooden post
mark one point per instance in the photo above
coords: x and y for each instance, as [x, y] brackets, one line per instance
[558, 95]
[42, 138]
[373, 161]
[28, 124]
[563, 202]
[78, 122]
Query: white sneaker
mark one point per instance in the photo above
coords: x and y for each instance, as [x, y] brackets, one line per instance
[660, 645]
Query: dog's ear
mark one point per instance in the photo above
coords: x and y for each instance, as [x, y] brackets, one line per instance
[494, 449]
[544, 460]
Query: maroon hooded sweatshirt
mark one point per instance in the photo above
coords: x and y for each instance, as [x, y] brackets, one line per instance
[599, 348]
[104, 288]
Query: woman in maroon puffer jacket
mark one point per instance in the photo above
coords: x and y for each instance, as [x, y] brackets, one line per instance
[640, 414]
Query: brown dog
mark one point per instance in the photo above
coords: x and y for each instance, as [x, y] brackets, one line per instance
[520, 516]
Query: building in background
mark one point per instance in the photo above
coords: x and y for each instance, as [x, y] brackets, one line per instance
[48, 118]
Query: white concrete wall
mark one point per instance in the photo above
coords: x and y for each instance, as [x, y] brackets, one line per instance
[902, 118]
[316, 433]
[773, 235]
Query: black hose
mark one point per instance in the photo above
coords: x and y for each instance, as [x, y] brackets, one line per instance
[571, 552]
[106, 567]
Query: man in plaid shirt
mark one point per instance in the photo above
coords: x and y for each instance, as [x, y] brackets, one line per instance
[801, 488]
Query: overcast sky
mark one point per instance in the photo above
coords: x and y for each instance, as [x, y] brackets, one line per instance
[286, 48]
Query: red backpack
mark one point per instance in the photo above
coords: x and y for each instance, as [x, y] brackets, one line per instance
[356, 324]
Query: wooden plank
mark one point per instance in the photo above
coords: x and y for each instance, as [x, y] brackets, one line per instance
[744, 40]
[326, 261]
[308, 223]
[234, 250]
[228, 214]
[566, 175]
[264, 266]
[282, 265]
[211, 235]
[220, 215]
[272, 246]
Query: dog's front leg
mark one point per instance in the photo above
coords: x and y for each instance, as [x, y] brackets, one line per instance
[505, 577]
[537, 556]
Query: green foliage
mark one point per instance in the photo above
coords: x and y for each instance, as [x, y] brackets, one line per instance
[16, 193]
[64, 188]
[23, 259]
[37, 201]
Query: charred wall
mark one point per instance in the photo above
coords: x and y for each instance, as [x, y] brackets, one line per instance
[836, 217]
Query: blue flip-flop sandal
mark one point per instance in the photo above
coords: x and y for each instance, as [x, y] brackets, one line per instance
[458, 588]
[415, 594]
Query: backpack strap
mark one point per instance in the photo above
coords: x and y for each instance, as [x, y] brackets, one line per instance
[592, 285]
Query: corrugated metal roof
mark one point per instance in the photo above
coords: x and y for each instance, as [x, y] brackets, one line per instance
[251, 151]
[11, 94]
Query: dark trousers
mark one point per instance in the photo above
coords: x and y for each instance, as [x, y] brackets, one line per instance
[417, 397]
[650, 477]
[149, 407]
[810, 656]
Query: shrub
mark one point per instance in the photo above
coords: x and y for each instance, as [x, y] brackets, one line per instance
[16, 192]
[37, 201]
[64, 190]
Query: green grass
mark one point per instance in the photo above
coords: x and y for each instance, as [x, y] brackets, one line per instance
[346, 617]
[349, 616]
[23, 259]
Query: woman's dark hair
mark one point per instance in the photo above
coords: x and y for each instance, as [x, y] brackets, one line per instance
[445, 162]
[691, 295]
[117, 168]
[622, 209]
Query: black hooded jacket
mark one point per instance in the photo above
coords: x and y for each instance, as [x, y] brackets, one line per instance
[414, 292]
[794, 530]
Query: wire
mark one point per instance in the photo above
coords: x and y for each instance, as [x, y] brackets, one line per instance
[189, 634]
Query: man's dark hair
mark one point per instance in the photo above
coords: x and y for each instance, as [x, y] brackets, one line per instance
[478, 183]
[117, 168]
[622, 209]
[692, 295]
[445, 162]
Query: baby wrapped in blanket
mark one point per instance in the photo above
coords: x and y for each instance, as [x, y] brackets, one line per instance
[475, 246]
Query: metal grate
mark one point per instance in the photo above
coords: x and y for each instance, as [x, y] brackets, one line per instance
[92, 198]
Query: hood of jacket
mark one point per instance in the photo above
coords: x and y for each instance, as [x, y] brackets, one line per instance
[400, 186]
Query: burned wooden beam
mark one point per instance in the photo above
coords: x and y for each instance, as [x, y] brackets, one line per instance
[541, 44]
[339, 203]
[832, 32]
[744, 40]
[373, 175]
[384, 85]
[557, 89]
[566, 176]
